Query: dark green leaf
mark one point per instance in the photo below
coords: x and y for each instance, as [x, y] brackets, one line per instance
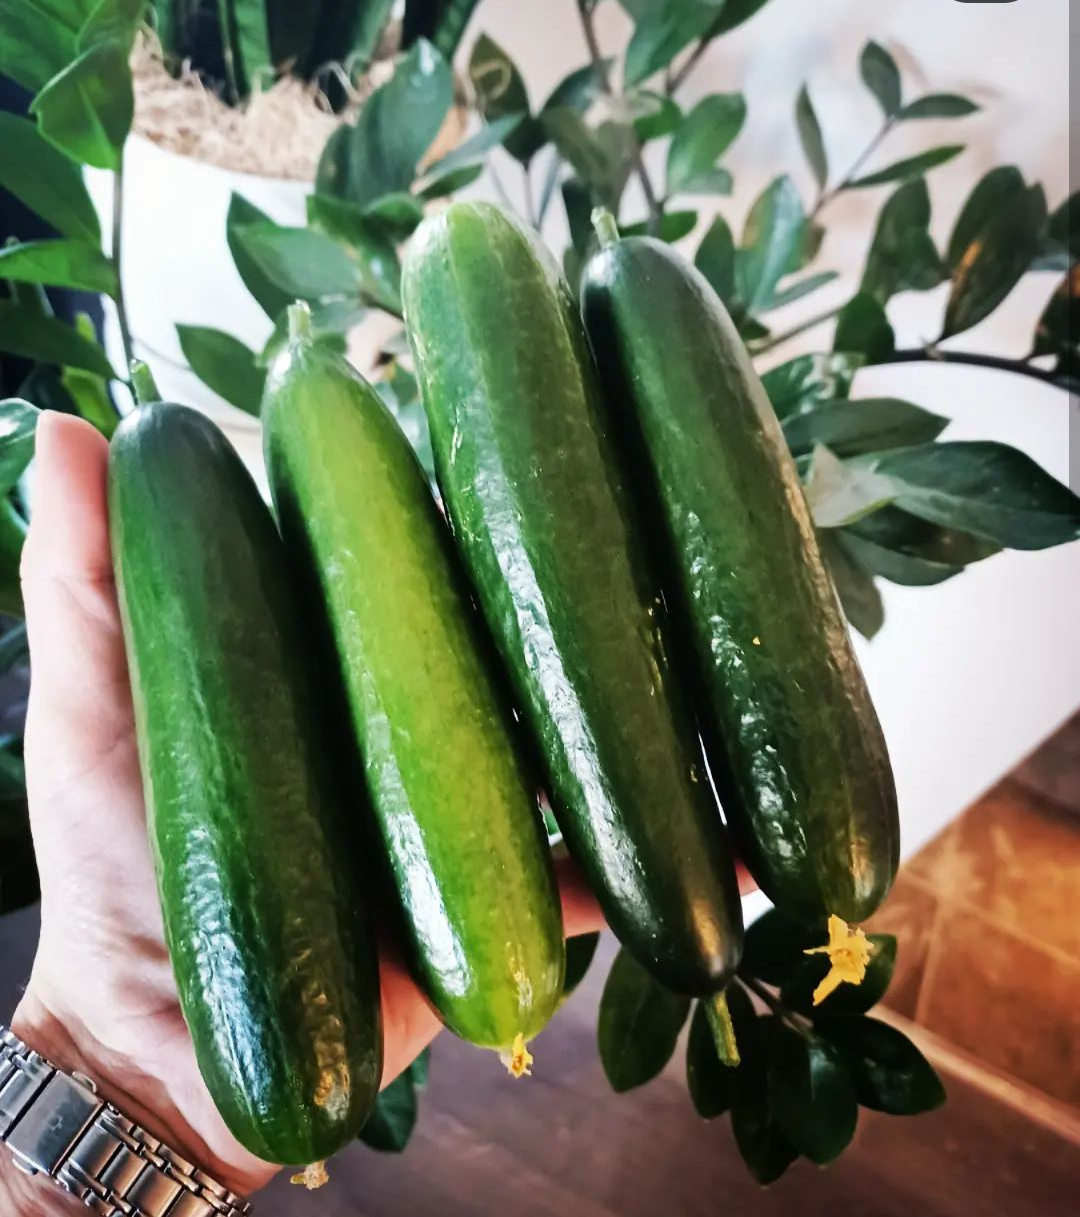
[760, 1141]
[810, 137]
[871, 424]
[224, 364]
[839, 492]
[370, 247]
[910, 166]
[39, 38]
[256, 65]
[579, 955]
[904, 549]
[997, 255]
[813, 1096]
[379, 152]
[598, 164]
[715, 258]
[891, 1074]
[399, 214]
[500, 91]
[863, 329]
[662, 30]
[18, 421]
[998, 188]
[902, 255]
[86, 110]
[112, 21]
[702, 138]
[855, 587]
[812, 241]
[303, 263]
[45, 180]
[1064, 226]
[578, 205]
[806, 381]
[46, 340]
[712, 1083]
[420, 1069]
[442, 21]
[474, 149]
[579, 89]
[271, 298]
[798, 992]
[771, 243]
[639, 1024]
[732, 14]
[1058, 330]
[775, 945]
[393, 1117]
[654, 115]
[673, 226]
[451, 182]
[988, 489]
[59, 263]
[800, 288]
[938, 105]
[881, 76]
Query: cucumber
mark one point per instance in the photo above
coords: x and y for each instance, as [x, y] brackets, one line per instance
[557, 564]
[790, 731]
[274, 960]
[455, 803]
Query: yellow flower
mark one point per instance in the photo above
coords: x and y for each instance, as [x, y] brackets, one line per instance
[312, 1177]
[519, 1059]
[848, 951]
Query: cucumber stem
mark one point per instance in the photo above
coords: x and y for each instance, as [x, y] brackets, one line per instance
[299, 322]
[606, 229]
[142, 383]
[723, 1030]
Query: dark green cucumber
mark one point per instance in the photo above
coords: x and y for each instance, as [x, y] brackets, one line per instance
[456, 806]
[790, 730]
[274, 960]
[541, 517]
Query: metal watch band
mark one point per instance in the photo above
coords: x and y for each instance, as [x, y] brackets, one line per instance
[56, 1125]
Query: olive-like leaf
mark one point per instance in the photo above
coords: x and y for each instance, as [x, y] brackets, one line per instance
[500, 91]
[775, 943]
[59, 263]
[18, 422]
[393, 1118]
[909, 167]
[224, 364]
[997, 189]
[891, 1074]
[813, 1095]
[580, 951]
[798, 990]
[654, 115]
[796, 290]
[902, 254]
[805, 382]
[579, 88]
[904, 549]
[44, 179]
[715, 258]
[639, 1024]
[862, 328]
[771, 243]
[39, 39]
[47, 340]
[881, 76]
[475, 148]
[702, 138]
[87, 109]
[1058, 329]
[662, 30]
[840, 492]
[303, 263]
[370, 247]
[672, 226]
[271, 298]
[872, 424]
[761, 1142]
[450, 183]
[1064, 225]
[813, 143]
[855, 587]
[938, 105]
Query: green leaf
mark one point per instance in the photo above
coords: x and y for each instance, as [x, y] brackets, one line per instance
[578, 206]
[46, 340]
[902, 255]
[863, 329]
[45, 180]
[938, 105]
[224, 364]
[702, 138]
[774, 945]
[771, 243]
[579, 955]
[814, 1096]
[39, 38]
[639, 1024]
[732, 14]
[491, 135]
[372, 250]
[1064, 226]
[598, 161]
[998, 188]
[985, 488]
[579, 89]
[855, 587]
[59, 263]
[800, 288]
[758, 1136]
[393, 1117]
[111, 21]
[813, 143]
[443, 21]
[86, 110]
[715, 258]
[806, 381]
[378, 153]
[451, 183]
[673, 226]
[871, 424]
[256, 64]
[654, 115]
[500, 91]
[881, 76]
[89, 392]
[18, 421]
[891, 1074]
[798, 992]
[996, 257]
[241, 215]
[399, 214]
[662, 30]
[302, 263]
[913, 552]
[910, 166]
[839, 493]
[1058, 329]
[710, 1082]
[420, 1069]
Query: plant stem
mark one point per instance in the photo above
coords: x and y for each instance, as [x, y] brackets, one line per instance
[930, 354]
[723, 1030]
[143, 384]
[547, 191]
[795, 331]
[500, 189]
[827, 196]
[773, 1002]
[676, 78]
[530, 203]
[116, 257]
[589, 29]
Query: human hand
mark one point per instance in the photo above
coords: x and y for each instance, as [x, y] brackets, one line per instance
[102, 999]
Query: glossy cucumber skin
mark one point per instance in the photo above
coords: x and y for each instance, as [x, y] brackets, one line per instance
[274, 960]
[790, 730]
[542, 519]
[455, 804]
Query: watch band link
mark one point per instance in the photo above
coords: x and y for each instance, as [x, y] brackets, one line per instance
[57, 1125]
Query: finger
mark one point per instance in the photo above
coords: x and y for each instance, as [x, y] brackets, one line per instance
[409, 1023]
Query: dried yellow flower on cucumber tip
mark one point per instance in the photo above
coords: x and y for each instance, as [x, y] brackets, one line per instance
[519, 1059]
[849, 952]
[312, 1177]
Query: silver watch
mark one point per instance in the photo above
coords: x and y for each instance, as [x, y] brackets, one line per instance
[56, 1125]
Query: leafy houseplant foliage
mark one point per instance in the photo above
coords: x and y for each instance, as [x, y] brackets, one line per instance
[891, 499]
